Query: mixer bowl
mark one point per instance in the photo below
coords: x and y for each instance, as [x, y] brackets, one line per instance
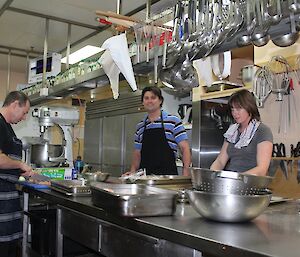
[47, 155]
[228, 207]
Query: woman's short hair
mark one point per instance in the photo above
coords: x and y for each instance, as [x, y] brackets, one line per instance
[155, 90]
[244, 99]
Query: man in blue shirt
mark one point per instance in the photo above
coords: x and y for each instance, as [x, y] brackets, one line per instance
[157, 138]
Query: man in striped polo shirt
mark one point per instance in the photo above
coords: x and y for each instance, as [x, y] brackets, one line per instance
[157, 138]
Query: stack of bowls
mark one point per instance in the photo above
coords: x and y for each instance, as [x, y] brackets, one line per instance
[228, 196]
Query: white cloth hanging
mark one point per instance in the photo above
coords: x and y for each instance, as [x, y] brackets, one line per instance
[116, 59]
[204, 71]
[246, 136]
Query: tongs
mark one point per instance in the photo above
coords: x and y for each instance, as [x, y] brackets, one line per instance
[135, 176]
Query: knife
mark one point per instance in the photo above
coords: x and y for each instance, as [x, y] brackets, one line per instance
[38, 177]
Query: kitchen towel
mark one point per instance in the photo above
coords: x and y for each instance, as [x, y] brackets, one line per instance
[116, 59]
[246, 136]
[204, 71]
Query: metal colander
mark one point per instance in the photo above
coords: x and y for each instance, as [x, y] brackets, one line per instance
[228, 182]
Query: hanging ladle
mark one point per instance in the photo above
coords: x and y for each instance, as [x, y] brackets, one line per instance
[260, 37]
[174, 48]
[288, 38]
[246, 38]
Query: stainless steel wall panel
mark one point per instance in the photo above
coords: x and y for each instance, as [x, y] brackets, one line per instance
[130, 103]
[131, 120]
[112, 144]
[207, 138]
[196, 134]
[93, 141]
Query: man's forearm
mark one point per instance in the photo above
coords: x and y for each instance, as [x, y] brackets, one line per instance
[186, 159]
[9, 163]
[136, 159]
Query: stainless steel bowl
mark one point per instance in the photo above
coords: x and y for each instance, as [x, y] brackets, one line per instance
[228, 207]
[47, 155]
[95, 176]
[228, 182]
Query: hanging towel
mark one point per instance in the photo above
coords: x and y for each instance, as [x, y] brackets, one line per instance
[246, 136]
[115, 60]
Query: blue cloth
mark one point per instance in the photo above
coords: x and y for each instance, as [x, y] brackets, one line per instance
[174, 130]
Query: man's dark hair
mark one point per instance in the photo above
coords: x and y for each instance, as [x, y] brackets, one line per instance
[155, 90]
[16, 96]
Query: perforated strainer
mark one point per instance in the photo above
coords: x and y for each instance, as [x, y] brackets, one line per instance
[228, 182]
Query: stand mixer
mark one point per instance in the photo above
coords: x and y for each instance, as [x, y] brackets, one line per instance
[40, 152]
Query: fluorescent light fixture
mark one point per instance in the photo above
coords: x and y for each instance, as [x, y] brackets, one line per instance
[82, 53]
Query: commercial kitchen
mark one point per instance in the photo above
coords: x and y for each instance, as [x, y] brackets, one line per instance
[79, 131]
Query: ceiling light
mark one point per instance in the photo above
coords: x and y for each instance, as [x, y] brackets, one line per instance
[83, 53]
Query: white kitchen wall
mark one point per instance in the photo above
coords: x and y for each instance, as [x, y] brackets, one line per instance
[15, 79]
[289, 124]
[172, 102]
[27, 128]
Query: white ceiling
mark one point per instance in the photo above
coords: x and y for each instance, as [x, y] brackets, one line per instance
[18, 30]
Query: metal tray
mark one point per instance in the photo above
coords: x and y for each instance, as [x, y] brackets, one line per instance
[134, 200]
[71, 187]
[164, 180]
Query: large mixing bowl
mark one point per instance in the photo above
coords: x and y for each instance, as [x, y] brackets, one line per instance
[95, 176]
[228, 207]
[228, 182]
[47, 155]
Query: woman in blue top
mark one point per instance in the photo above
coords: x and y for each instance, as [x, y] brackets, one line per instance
[157, 138]
[248, 143]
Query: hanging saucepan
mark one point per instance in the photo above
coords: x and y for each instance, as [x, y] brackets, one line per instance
[248, 73]
[289, 38]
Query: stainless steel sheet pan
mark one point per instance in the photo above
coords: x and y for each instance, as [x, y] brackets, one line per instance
[134, 200]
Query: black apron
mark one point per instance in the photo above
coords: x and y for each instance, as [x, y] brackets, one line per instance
[10, 205]
[157, 157]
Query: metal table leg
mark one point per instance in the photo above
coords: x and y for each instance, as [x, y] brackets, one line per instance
[25, 224]
[59, 235]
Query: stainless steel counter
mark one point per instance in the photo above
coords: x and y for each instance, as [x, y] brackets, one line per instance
[274, 233]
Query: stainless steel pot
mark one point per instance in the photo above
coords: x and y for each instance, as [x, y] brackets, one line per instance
[248, 73]
[228, 207]
[47, 155]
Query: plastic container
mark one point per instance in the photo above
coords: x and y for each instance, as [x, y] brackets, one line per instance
[74, 174]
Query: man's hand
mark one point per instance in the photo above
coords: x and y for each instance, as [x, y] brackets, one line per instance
[128, 173]
[27, 170]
